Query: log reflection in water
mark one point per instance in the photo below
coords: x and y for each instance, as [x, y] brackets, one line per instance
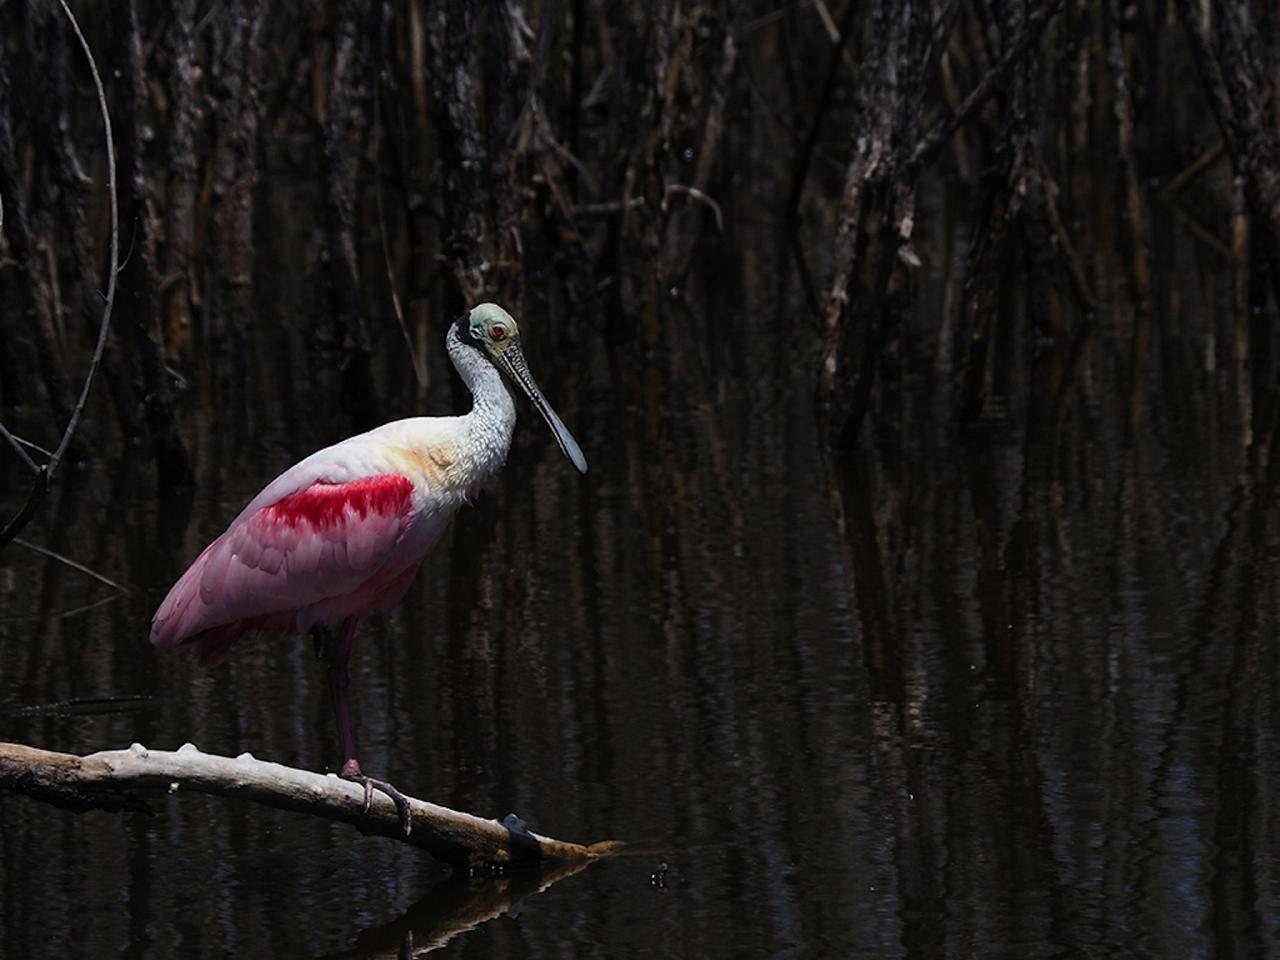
[454, 907]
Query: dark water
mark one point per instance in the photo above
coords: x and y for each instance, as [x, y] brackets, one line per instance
[1000, 691]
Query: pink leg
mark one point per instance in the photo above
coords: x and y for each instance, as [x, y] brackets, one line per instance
[339, 655]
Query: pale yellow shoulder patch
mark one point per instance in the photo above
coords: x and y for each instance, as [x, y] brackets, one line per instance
[431, 463]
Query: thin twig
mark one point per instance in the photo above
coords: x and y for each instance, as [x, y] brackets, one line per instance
[806, 283]
[834, 32]
[1198, 230]
[543, 132]
[606, 208]
[609, 207]
[17, 443]
[46, 552]
[39, 487]
[1067, 248]
[418, 370]
[115, 252]
[45, 474]
[83, 706]
[64, 614]
[1194, 169]
[773, 16]
[699, 196]
[932, 143]
[809, 146]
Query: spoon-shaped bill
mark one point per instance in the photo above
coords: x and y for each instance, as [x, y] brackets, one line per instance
[512, 360]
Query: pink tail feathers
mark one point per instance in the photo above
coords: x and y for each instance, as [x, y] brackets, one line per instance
[183, 618]
[181, 608]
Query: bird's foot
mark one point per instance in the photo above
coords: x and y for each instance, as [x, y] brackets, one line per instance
[371, 784]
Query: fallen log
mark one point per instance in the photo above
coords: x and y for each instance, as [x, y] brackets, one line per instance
[113, 780]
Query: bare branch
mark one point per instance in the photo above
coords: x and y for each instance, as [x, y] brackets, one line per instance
[1197, 167]
[17, 444]
[41, 485]
[63, 614]
[113, 267]
[933, 142]
[419, 369]
[110, 780]
[1078, 279]
[700, 197]
[46, 552]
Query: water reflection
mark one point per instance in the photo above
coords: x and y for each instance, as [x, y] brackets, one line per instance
[453, 907]
[999, 691]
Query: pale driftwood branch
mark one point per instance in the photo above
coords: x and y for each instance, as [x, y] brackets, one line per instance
[113, 780]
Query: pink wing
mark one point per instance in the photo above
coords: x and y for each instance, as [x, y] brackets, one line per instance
[317, 555]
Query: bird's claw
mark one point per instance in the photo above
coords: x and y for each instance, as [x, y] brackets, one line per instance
[399, 799]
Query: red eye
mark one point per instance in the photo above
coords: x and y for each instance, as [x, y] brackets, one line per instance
[498, 332]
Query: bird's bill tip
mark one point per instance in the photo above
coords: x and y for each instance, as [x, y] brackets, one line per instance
[512, 359]
[563, 437]
[574, 453]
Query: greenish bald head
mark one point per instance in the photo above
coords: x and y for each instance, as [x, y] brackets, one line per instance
[492, 327]
[495, 332]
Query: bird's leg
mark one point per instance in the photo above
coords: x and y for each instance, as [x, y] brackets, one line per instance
[339, 652]
[322, 640]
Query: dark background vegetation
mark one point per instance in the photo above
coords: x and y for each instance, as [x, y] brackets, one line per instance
[922, 592]
[570, 159]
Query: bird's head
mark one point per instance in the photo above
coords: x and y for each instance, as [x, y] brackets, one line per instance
[491, 328]
[495, 333]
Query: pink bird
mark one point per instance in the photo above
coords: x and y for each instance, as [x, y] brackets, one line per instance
[342, 533]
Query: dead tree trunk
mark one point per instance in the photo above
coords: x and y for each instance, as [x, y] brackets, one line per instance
[348, 122]
[1013, 224]
[18, 358]
[234, 80]
[877, 210]
[139, 291]
[1224, 43]
[29, 275]
[506, 78]
[180, 225]
[1136, 216]
[876, 213]
[461, 143]
[83, 281]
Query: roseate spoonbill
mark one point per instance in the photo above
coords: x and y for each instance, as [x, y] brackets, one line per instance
[343, 532]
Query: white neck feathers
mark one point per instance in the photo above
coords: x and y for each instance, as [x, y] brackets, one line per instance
[487, 428]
